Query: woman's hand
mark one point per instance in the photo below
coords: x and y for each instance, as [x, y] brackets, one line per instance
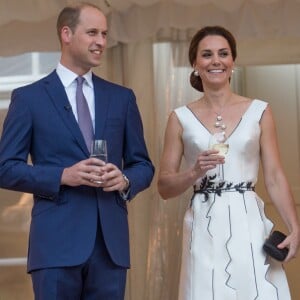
[292, 241]
[207, 160]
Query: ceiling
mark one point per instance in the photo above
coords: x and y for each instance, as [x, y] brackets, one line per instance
[268, 25]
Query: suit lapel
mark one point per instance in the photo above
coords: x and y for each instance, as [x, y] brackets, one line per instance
[60, 100]
[101, 106]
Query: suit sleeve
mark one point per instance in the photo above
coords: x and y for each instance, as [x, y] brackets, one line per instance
[15, 146]
[137, 164]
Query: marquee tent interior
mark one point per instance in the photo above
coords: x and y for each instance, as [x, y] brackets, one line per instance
[269, 26]
[147, 51]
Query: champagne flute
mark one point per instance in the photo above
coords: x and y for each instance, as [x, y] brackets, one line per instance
[99, 150]
[217, 142]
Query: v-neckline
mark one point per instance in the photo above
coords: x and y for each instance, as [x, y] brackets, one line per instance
[235, 127]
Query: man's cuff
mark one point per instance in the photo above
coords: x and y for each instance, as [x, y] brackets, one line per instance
[125, 194]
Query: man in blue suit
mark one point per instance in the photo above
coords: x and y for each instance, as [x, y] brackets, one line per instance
[78, 243]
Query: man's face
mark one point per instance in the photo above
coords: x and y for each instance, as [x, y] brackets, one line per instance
[84, 47]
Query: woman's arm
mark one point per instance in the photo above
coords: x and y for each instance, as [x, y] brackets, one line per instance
[276, 183]
[171, 181]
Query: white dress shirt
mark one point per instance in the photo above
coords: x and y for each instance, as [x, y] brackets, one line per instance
[68, 79]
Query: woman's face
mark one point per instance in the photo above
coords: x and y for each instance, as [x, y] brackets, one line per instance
[214, 61]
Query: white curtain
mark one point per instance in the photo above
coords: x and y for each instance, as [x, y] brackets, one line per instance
[267, 30]
[159, 76]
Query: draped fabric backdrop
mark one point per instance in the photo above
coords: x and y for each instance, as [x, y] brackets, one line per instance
[159, 75]
[155, 224]
[271, 27]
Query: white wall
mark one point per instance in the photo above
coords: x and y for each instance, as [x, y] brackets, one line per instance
[280, 86]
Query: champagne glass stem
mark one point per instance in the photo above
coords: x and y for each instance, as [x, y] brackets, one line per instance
[221, 172]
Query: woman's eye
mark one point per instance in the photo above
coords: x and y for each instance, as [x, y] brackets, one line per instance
[206, 54]
[224, 54]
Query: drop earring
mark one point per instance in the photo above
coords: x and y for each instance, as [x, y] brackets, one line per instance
[196, 73]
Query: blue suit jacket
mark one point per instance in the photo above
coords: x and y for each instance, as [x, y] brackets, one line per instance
[40, 122]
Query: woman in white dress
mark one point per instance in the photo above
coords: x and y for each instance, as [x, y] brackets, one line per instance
[225, 225]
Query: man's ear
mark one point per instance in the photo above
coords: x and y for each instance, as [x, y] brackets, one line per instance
[66, 34]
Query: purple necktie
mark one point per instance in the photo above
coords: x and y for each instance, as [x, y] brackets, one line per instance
[83, 113]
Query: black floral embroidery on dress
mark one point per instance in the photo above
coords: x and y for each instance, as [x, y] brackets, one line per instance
[210, 186]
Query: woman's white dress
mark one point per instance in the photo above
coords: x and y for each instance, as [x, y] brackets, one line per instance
[225, 226]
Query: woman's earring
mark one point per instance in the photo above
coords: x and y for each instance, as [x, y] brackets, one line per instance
[196, 73]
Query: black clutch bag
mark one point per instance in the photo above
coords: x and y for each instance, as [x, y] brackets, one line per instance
[270, 246]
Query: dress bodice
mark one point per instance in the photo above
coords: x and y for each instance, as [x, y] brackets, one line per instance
[243, 157]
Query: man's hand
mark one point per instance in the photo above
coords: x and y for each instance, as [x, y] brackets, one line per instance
[113, 179]
[85, 172]
[94, 172]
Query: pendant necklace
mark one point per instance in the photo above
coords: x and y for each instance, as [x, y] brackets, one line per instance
[219, 123]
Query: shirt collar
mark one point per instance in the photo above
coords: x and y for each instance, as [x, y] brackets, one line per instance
[67, 77]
